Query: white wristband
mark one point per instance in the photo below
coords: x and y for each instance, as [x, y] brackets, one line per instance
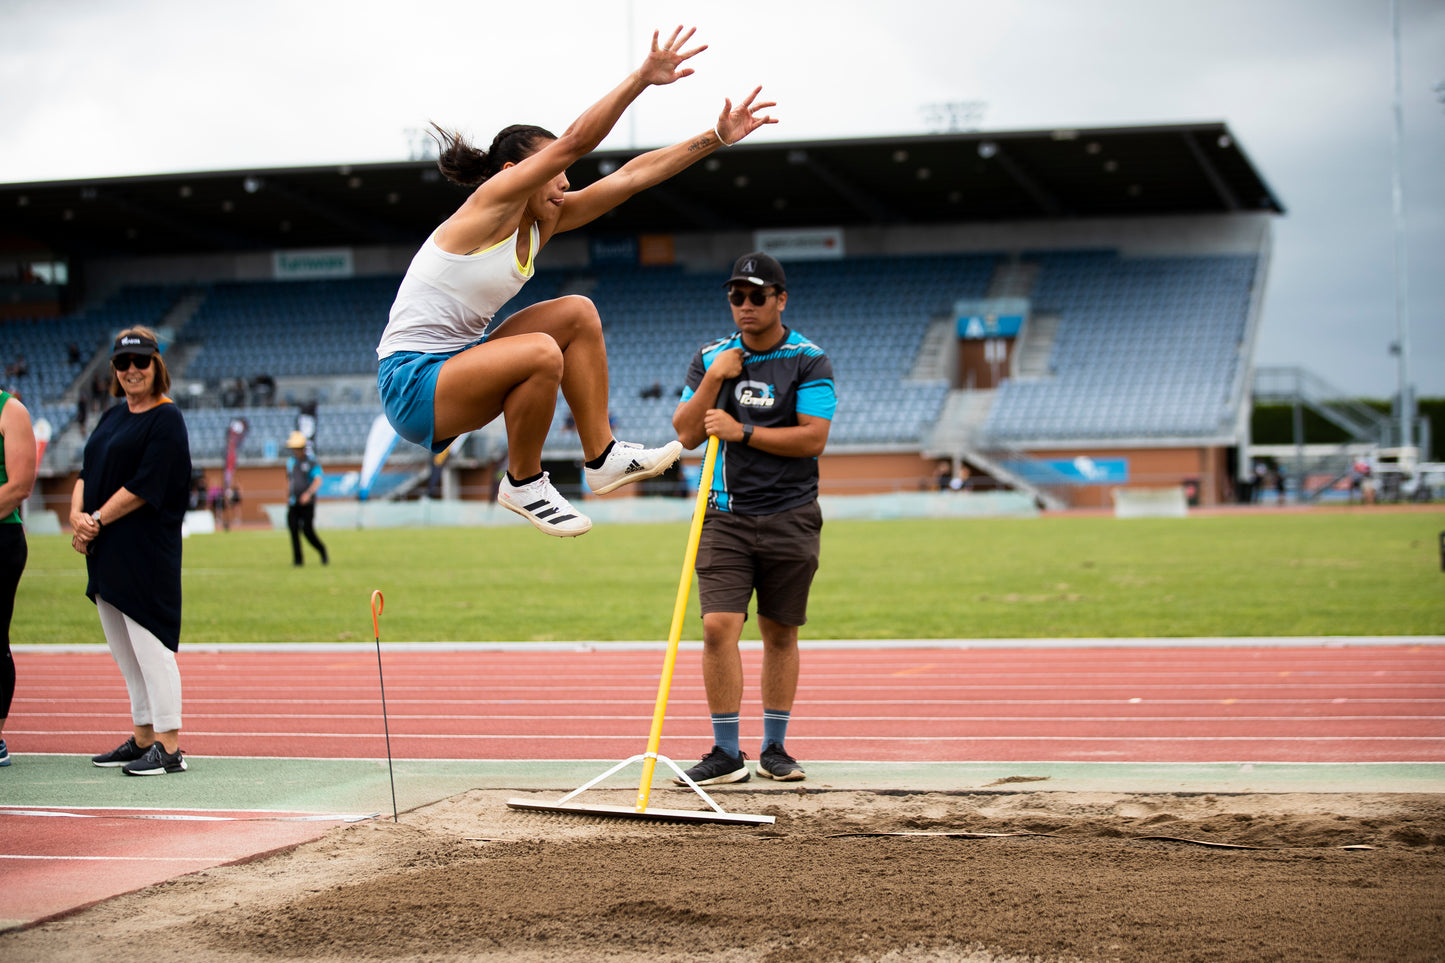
[720, 137]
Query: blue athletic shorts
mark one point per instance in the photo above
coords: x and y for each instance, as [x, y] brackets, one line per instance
[407, 381]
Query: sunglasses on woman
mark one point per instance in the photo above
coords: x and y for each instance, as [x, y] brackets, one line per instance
[123, 361]
[758, 298]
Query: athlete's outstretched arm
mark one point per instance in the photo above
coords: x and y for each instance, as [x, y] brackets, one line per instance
[493, 207]
[654, 167]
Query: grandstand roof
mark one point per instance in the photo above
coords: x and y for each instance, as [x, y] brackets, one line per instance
[932, 178]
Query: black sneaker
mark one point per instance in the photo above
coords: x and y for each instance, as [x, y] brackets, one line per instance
[156, 762]
[717, 767]
[4, 754]
[775, 763]
[128, 752]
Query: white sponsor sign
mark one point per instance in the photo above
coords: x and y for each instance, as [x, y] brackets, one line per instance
[317, 263]
[806, 244]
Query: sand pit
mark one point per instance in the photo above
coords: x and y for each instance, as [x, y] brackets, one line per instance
[841, 876]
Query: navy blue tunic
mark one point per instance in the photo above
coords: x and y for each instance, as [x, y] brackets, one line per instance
[135, 561]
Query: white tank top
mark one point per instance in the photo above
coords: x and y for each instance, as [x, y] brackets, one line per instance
[446, 301]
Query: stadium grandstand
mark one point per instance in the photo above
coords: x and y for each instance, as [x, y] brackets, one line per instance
[1063, 313]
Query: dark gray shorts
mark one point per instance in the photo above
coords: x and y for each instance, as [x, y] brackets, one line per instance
[776, 555]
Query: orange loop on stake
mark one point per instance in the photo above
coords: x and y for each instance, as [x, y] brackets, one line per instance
[377, 604]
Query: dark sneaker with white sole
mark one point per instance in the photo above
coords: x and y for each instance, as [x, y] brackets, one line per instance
[156, 762]
[128, 751]
[4, 754]
[717, 768]
[775, 763]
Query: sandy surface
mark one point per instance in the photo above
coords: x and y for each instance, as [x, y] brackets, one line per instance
[840, 876]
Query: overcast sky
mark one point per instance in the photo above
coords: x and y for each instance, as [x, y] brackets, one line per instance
[98, 88]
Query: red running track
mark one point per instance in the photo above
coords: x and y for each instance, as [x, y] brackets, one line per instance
[1327, 703]
[72, 858]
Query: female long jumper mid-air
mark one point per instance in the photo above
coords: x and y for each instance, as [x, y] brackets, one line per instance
[443, 373]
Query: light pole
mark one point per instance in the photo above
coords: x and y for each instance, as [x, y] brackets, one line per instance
[1402, 317]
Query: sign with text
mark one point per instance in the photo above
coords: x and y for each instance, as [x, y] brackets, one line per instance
[804, 244]
[308, 265]
[990, 317]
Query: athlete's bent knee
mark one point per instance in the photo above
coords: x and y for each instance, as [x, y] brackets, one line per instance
[544, 355]
[582, 313]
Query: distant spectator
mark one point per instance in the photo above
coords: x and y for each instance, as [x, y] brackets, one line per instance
[947, 479]
[1369, 487]
[197, 499]
[99, 391]
[1261, 478]
[234, 394]
[18, 368]
[223, 502]
[263, 390]
[652, 391]
[303, 480]
[72, 353]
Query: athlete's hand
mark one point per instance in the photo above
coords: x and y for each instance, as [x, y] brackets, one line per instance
[735, 123]
[662, 64]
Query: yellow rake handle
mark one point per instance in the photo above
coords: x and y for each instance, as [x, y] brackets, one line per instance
[684, 585]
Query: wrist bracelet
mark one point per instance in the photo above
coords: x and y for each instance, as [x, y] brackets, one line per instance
[95, 516]
[719, 137]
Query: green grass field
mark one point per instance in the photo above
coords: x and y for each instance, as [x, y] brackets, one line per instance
[1324, 573]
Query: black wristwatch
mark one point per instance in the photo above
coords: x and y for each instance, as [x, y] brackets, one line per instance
[747, 435]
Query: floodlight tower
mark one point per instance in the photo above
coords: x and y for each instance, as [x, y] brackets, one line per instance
[1402, 317]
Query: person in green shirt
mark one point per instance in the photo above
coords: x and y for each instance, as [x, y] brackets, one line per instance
[17, 477]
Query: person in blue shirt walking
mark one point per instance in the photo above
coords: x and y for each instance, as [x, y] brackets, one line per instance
[767, 393]
[303, 480]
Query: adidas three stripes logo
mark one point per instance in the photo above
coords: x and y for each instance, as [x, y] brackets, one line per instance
[544, 509]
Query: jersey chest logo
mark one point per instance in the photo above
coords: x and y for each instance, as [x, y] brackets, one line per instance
[754, 394]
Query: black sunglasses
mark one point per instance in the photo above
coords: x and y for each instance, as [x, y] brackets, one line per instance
[758, 298]
[139, 361]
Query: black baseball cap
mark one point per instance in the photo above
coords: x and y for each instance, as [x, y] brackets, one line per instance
[134, 344]
[760, 269]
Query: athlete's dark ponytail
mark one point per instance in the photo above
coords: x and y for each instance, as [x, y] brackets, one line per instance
[463, 164]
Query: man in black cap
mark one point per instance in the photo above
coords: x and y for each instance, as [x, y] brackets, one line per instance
[767, 393]
[303, 481]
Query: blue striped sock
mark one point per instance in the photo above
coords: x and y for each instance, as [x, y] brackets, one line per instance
[775, 726]
[725, 732]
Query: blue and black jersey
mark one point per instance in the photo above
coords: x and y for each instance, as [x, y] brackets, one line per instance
[793, 378]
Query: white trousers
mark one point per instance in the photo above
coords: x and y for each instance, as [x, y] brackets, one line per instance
[151, 675]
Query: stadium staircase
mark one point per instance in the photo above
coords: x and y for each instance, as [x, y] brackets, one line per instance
[1036, 345]
[956, 435]
[937, 352]
[1299, 388]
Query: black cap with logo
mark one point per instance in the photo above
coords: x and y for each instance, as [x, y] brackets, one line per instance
[134, 344]
[760, 269]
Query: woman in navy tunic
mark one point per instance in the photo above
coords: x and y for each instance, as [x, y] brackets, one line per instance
[126, 513]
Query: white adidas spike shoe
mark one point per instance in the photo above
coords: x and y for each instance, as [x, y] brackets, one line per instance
[542, 505]
[627, 463]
